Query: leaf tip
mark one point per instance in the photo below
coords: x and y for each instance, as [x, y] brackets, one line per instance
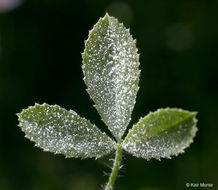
[106, 15]
[194, 113]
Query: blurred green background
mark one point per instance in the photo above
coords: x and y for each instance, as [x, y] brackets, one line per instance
[40, 61]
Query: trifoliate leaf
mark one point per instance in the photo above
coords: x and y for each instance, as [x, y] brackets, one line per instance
[163, 133]
[110, 67]
[57, 130]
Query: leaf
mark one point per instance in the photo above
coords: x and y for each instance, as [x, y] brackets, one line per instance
[110, 67]
[163, 133]
[57, 130]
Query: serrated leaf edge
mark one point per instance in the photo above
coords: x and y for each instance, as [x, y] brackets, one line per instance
[66, 156]
[186, 145]
[85, 51]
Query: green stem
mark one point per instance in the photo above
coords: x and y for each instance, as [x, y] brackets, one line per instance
[115, 168]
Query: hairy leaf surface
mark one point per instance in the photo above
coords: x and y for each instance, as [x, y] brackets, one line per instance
[110, 67]
[57, 130]
[163, 133]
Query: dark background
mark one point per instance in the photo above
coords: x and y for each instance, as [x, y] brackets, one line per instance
[40, 61]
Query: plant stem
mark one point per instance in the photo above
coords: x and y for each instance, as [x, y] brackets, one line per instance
[115, 168]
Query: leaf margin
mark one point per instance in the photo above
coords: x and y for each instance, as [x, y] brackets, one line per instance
[193, 131]
[113, 143]
[101, 113]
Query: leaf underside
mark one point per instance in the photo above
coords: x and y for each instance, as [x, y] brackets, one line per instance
[110, 67]
[57, 130]
[161, 134]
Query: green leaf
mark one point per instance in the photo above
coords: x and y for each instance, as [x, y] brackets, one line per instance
[163, 133]
[110, 67]
[57, 130]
